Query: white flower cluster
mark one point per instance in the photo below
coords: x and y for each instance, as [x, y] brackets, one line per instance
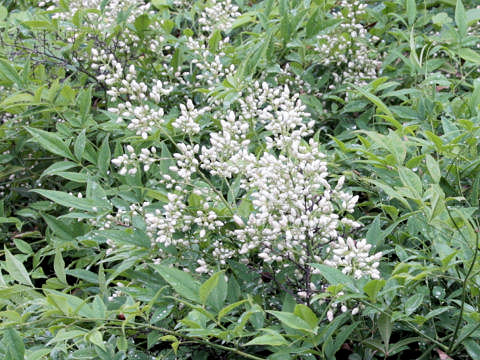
[128, 162]
[228, 152]
[141, 115]
[109, 11]
[218, 15]
[346, 46]
[211, 65]
[353, 257]
[187, 121]
[296, 213]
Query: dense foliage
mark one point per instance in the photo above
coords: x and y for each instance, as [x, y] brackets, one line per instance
[239, 179]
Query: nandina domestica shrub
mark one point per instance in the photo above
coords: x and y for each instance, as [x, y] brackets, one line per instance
[239, 179]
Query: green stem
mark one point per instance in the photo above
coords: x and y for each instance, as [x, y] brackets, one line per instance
[453, 342]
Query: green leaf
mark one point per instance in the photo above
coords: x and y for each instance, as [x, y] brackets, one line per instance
[136, 237]
[473, 16]
[142, 23]
[9, 72]
[69, 304]
[461, 19]
[73, 176]
[272, 338]
[16, 269]
[59, 266]
[14, 344]
[159, 4]
[291, 320]
[229, 308]
[441, 19]
[23, 246]
[182, 282]
[3, 12]
[410, 180]
[469, 55]
[104, 156]
[413, 303]
[335, 276]
[373, 287]
[51, 142]
[96, 338]
[79, 146]
[385, 328]
[11, 220]
[473, 348]
[433, 168]
[207, 287]
[84, 101]
[71, 201]
[411, 11]
[331, 347]
[306, 314]
[58, 167]
[244, 19]
[219, 293]
[376, 100]
[63, 335]
[214, 40]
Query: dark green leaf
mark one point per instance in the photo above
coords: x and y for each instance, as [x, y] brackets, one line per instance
[180, 281]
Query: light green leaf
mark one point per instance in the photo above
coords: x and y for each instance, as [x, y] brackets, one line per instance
[410, 180]
[73, 176]
[104, 156]
[306, 314]
[229, 308]
[473, 16]
[84, 101]
[59, 266]
[79, 146]
[272, 339]
[411, 11]
[207, 287]
[23, 246]
[96, 337]
[51, 142]
[469, 55]
[16, 269]
[9, 72]
[385, 328]
[413, 303]
[376, 100]
[182, 282]
[142, 23]
[14, 344]
[373, 287]
[69, 304]
[71, 201]
[291, 320]
[63, 335]
[461, 18]
[3, 12]
[136, 237]
[58, 166]
[159, 4]
[433, 168]
[335, 276]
